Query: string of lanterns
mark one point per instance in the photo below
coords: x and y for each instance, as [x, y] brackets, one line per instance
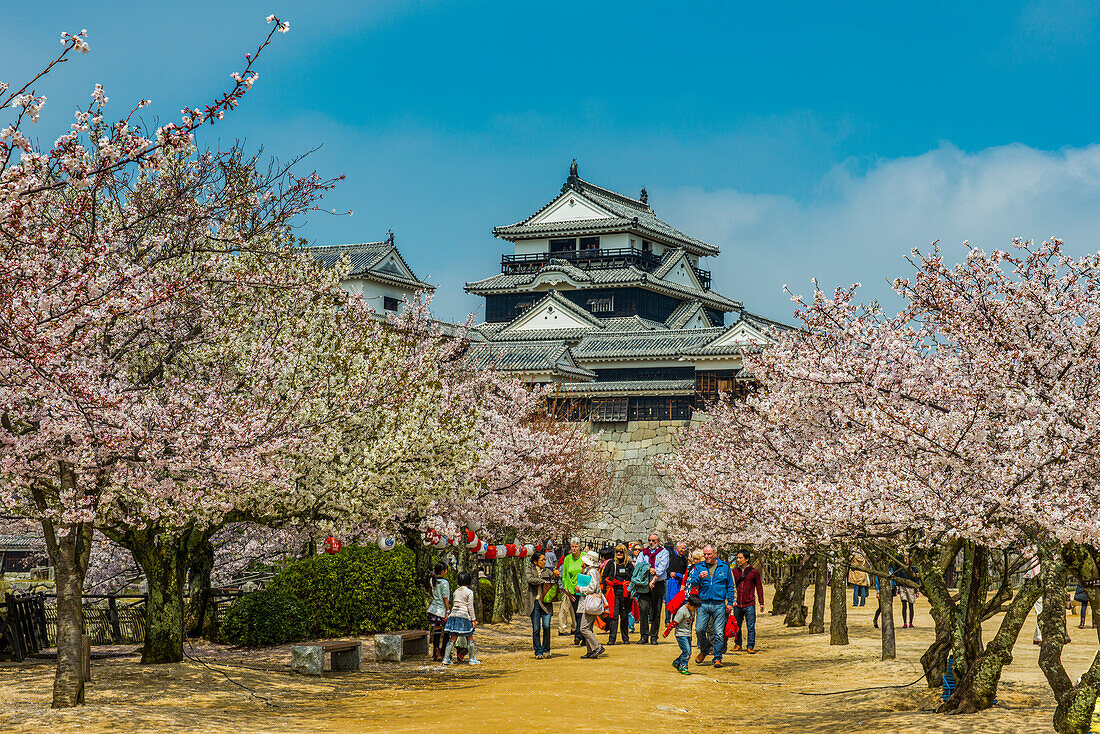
[470, 539]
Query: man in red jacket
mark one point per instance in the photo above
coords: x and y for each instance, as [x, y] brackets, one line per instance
[749, 587]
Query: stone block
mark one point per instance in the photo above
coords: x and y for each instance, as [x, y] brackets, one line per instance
[307, 659]
[388, 648]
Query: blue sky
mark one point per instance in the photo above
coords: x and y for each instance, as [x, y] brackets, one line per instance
[805, 139]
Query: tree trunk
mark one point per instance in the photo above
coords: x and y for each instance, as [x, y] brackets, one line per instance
[500, 593]
[200, 603]
[785, 587]
[70, 553]
[796, 610]
[821, 586]
[838, 601]
[976, 689]
[1052, 621]
[885, 602]
[1074, 713]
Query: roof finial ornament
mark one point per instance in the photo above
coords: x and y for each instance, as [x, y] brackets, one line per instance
[644, 197]
[390, 237]
[573, 168]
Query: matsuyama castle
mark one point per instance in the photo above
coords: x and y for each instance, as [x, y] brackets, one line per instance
[615, 308]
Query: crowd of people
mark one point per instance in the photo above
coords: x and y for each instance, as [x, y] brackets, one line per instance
[627, 590]
[621, 591]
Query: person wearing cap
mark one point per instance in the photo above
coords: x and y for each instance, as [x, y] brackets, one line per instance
[590, 603]
[570, 567]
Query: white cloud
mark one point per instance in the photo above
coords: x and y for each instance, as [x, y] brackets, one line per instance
[860, 223]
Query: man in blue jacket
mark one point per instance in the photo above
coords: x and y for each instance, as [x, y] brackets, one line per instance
[718, 592]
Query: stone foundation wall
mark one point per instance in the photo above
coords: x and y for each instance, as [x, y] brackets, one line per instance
[632, 513]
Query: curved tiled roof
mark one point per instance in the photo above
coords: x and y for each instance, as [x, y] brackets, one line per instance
[643, 344]
[627, 213]
[626, 387]
[363, 260]
[546, 356]
[624, 276]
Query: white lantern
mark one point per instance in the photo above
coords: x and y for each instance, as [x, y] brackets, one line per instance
[386, 544]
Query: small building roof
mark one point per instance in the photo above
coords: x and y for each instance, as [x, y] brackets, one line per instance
[372, 261]
[624, 213]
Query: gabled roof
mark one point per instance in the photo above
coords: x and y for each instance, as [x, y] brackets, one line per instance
[624, 213]
[553, 299]
[380, 261]
[751, 332]
[552, 357]
[685, 313]
[629, 275]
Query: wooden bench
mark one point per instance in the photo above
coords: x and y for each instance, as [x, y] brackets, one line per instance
[395, 646]
[310, 659]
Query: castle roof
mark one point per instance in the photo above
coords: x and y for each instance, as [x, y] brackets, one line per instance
[614, 212]
[379, 261]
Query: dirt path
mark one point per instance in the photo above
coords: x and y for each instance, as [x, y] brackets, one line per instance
[631, 689]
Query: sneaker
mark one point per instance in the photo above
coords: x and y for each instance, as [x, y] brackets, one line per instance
[750, 651]
[685, 671]
[588, 656]
[700, 658]
[446, 661]
[474, 661]
[676, 666]
[718, 664]
[736, 648]
[600, 651]
[538, 656]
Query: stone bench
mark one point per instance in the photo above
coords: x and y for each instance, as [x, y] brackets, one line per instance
[310, 659]
[393, 647]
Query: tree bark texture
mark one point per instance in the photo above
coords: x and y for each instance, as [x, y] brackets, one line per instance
[784, 587]
[200, 617]
[821, 587]
[976, 688]
[838, 601]
[885, 602]
[796, 609]
[1074, 712]
[70, 549]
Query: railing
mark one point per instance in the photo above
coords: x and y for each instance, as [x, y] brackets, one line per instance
[595, 259]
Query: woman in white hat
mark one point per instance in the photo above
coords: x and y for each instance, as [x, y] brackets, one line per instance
[592, 603]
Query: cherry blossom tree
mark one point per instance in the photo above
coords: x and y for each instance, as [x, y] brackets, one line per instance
[118, 250]
[963, 425]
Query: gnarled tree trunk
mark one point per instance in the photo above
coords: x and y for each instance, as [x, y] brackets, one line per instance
[796, 608]
[200, 598]
[821, 587]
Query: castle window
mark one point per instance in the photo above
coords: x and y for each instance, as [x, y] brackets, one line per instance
[391, 304]
[601, 305]
[563, 245]
[647, 246]
[590, 243]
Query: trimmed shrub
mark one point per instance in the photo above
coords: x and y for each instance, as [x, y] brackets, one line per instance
[262, 618]
[360, 590]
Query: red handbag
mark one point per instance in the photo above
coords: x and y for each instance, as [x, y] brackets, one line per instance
[732, 628]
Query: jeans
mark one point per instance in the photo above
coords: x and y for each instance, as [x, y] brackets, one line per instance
[684, 641]
[859, 595]
[746, 622]
[540, 619]
[711, 617]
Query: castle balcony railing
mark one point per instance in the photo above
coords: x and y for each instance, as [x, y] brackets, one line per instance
[594, 259]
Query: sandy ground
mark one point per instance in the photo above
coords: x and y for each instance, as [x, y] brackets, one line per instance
[633, 688]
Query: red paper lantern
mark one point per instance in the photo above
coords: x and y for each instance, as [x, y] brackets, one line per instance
[490, 552]
[538, 547]
[333, 545]
[510, 550]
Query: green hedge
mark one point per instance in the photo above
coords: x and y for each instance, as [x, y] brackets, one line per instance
[266, 617]
[358, 590]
